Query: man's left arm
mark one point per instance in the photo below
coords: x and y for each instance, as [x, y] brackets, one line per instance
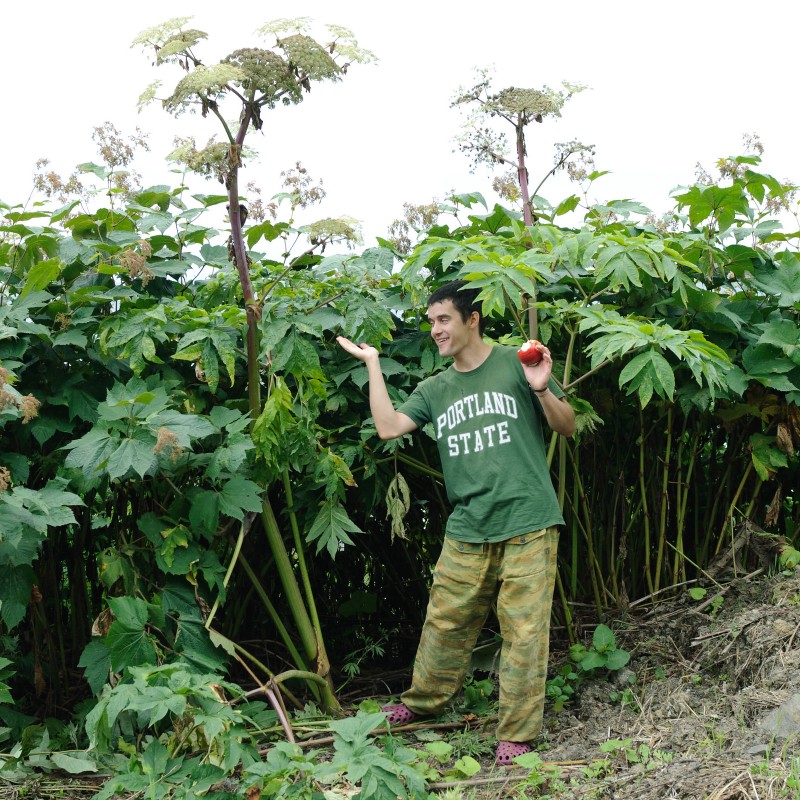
[557, 411]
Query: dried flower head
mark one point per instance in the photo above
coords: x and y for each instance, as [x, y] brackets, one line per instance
[577, 158]
[752, 144]
[702, 175]
[299, 183]
[212, 161]
[517, 106]
[667, 223]
[148, 95]
[532, 103]
[114, 149]
[285, 25]
[51, 184]
[782, 201]
[507, 186]
[136, 265]
[258, 209]
[167, 445]
[399, 236]
[29, 406]
[328, 230]
[417, 217]
[731, 168]
[344, 44]
[63, 320]
[422, 216]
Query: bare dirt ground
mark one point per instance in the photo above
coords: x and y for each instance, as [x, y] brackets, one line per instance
[692, 717]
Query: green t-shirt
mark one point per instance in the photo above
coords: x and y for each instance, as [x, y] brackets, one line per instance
[488, 427]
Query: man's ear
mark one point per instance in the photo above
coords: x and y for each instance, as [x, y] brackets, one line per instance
[474, 320]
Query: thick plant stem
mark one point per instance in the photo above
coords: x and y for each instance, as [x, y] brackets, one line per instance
[301, 558]
[662, 523]
[312, 644]
[272, 696]
[425, 469]
[711, 516]
[274, 616]
[679, 569]
[245, 526]
[243, 269]
[595, 572]
[751, 505]
[527, 214]
[310, 636]
[574, 556]
[734, 502]
[565, 606]
[645, 510]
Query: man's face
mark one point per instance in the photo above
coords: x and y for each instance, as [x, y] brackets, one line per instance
[448, 329]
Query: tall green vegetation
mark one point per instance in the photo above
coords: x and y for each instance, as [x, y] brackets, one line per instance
[191, 497]
[256, 80]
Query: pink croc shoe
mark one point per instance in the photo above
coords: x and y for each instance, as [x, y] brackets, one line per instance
[399, 714]
[508, 751]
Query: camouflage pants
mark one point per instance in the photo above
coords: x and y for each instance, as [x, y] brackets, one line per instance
[519, 574]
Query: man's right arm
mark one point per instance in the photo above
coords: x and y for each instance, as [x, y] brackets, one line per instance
[389, 423]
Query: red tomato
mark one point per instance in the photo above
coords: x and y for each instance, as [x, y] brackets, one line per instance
[530, 352]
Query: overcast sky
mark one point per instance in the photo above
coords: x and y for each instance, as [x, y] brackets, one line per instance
[671, 84]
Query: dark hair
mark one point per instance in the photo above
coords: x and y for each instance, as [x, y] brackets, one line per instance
[463, 299]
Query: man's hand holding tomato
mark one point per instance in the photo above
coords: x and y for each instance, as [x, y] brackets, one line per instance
[537, 364]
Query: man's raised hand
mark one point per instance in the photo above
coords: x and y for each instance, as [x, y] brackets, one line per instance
[362, 352]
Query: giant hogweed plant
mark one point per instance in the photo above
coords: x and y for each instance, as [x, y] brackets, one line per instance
[126, 293]
[136, 469]
[129, 477]
[694, 315]
[251, 81]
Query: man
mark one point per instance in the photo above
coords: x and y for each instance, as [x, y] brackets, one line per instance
[501, 537]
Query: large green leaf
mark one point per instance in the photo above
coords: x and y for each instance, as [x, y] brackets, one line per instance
[131, 455]
[766, 457]
[616, 268]
[41, 275]
[330, 528]
[782, 281]
[784, 334]
[186, 427]
[771, 369]
[194, 643]
[297, 355]
[722, 203]
[15, 593]
[96, 663]
[208, 347]
[239, 495]
[646, 373]
[128, 641]
[204, 512]
[230, 456]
